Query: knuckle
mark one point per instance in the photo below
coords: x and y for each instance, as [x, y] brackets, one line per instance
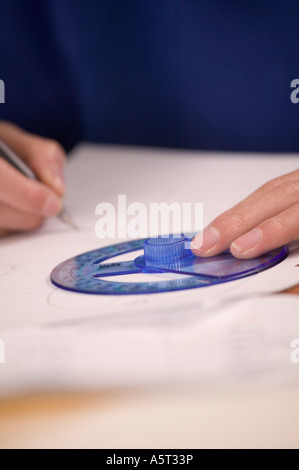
[285, 224]
[290, 189]
[50, 150]
[280, 223]
[269, 185]
[53, 150]
[281, 180]
[232, 219]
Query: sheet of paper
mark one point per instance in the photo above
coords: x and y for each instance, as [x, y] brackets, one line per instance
[58, 339]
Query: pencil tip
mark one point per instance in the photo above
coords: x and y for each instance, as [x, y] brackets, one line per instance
[66, 218]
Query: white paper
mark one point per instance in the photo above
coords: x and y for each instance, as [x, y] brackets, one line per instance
[58, 339]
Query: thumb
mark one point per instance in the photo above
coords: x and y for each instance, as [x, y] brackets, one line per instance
[45, 157]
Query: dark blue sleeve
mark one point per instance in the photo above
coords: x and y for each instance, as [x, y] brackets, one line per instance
[198, 74]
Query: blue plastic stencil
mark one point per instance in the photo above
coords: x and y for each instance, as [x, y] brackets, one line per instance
[84, 273]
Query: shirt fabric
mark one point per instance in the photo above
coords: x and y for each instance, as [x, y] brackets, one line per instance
[188, 74]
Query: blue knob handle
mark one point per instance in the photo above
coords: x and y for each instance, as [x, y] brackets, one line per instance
[166, 249]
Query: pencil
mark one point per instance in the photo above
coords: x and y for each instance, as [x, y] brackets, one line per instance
[10, 156]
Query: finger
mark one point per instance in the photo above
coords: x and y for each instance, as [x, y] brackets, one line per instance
[45, 157]
[27, 195]
[12, 219]
[269, 186]
[285, 226]
[232, 224]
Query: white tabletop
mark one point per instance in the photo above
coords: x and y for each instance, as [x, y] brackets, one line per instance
[207, 367]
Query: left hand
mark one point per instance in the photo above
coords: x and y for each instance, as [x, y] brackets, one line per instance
[265, 220]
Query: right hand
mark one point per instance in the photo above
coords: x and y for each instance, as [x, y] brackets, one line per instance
[25, 203]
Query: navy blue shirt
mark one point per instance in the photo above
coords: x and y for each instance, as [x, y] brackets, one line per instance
[180, 73]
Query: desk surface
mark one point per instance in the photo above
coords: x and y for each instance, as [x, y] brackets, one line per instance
[154, 419]
[213, 411]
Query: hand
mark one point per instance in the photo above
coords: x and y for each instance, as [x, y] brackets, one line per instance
[267, 219]
[25, 203]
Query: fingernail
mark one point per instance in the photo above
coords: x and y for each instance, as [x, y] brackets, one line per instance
[204, 241]
[52, 206]
[247, 241]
